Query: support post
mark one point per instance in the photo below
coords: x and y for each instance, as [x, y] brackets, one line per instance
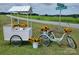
[18, 18]
[60, 18]
[27, 21]
[30, 21]
[11, 22]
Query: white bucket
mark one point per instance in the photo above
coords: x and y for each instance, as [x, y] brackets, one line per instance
[35, 44]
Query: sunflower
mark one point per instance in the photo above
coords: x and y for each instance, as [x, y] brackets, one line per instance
[34, 40]
[67, 30]
[15, 25]
[44, 28]
[23, 24]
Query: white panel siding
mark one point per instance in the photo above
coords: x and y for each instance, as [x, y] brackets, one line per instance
[24, 34]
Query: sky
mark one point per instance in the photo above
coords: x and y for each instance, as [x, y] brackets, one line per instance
[44, 8]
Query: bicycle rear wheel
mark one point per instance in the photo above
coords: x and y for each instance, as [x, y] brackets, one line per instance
[45, 40]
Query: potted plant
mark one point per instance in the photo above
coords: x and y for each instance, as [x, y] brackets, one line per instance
[35, 42]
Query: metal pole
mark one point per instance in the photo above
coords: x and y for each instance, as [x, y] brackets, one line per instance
[30, 21]
[27, 20]
[60, 18]
[11, 22]
[18, 18]
[30, 15]
[59, 27]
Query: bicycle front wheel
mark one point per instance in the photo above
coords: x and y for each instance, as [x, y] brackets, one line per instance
[71, 42]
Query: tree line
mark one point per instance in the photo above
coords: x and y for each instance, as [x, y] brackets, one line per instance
[35, 14]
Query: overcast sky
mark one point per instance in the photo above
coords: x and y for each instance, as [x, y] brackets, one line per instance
[44, 8]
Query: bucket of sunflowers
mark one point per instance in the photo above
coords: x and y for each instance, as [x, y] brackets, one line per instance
[35, 42]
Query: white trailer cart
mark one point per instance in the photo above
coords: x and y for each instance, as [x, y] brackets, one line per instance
[16, 35]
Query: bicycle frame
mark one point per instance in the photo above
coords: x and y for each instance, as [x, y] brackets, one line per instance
[45, 33]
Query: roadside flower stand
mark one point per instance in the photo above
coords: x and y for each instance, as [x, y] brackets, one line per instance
[16, 32]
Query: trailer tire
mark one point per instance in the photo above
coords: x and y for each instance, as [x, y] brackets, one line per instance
[16, 42]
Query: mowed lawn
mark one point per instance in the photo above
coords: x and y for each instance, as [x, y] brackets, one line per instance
[53, 49]
[52, 18]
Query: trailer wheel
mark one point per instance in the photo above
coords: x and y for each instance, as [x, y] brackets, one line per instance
[16, 40]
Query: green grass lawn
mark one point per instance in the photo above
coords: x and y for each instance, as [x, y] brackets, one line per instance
[53, 49]
[53, 18]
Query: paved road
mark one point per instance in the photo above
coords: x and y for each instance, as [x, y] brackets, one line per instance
[48, 22]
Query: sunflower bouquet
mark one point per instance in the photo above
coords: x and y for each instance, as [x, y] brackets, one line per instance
[22, 24]
[44, 28]
[67, 30]
[15, 25]
[35, 42]
[34, 39]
